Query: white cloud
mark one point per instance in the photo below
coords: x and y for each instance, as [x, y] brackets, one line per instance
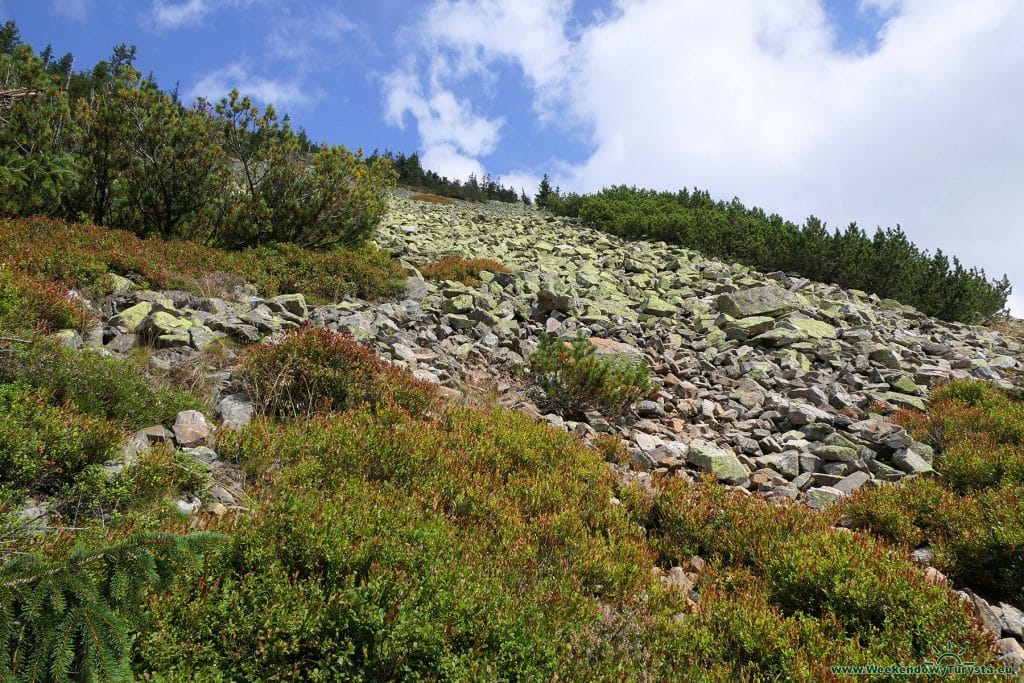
[171, 14]
[305, 35]
[177, 14]
[451, 133]
[521, 180]
[72, 9]
[219, 83]
[756, 100]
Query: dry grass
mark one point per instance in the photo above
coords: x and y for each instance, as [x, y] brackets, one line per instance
[432, 199]
[457, 269]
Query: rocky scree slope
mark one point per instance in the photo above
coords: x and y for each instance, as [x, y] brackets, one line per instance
[771, 383]
[776, 386]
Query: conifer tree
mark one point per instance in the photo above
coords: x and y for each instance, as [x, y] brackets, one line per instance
[72, 618]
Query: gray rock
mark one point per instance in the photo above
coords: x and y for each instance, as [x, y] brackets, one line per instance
[190, 429]
[820, 497]
[910, 462]
[721, 462]
[767, 300]
[235, 411]
[852, 482]
[1012, 620]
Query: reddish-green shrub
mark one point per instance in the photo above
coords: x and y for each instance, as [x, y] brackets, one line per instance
[314, 370]
[29, 304]
[466, 271]
[80, 255]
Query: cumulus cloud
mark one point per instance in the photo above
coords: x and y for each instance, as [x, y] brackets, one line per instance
[280, 93]
[176, 14]
[306, 34]
[758, 100]
[453, 136]
[72, 9]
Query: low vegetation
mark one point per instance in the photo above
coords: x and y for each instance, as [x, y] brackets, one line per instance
[82, 255]
[432, 199]
[466, 271]
[316, 371]
[972, 515]
[574, 379]
[27, 304]
[887, 263]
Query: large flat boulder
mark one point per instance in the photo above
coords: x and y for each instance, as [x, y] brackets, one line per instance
[769, 300]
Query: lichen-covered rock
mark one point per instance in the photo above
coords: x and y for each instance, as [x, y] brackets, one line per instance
[767, 300]
[720, 462]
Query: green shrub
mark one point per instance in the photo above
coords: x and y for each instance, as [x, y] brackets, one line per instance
[905, 514]
[82, 255]
[863, 594]
[475, 545]
[27, 304]
[466, 271]
[575, 379]
[887, 263]
[315, 370]
[43, 446]
[95, 385]
[366, 272]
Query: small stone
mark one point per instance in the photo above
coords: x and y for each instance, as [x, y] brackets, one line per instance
[722, 463]
[852, 482]
[1010, 651]
[235, 411]
[222, 494]
[649, 409]
[1012, 621]
[190, 429]
[923, 555]
[910, 462]
[218, 510]
[822, 496]
[189, 505]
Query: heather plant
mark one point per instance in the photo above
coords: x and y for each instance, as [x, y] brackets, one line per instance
[457, 269]
[863, 595]
[94, 385]
[972, 514]
[81, 256]
[28, 304]
[574, 379]
[43, 446]
[493, 557]
[314, 370]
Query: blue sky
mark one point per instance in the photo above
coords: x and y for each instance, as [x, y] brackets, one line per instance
[875, 111]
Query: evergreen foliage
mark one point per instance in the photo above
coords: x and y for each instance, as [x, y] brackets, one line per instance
[110, 146]
[412, 174]
[887, 263]
[72, 617]
[575, 379]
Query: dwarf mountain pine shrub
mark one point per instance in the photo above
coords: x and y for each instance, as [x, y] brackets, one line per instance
[574, 379]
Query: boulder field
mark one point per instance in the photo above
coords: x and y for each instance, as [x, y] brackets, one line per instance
[772, 383]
